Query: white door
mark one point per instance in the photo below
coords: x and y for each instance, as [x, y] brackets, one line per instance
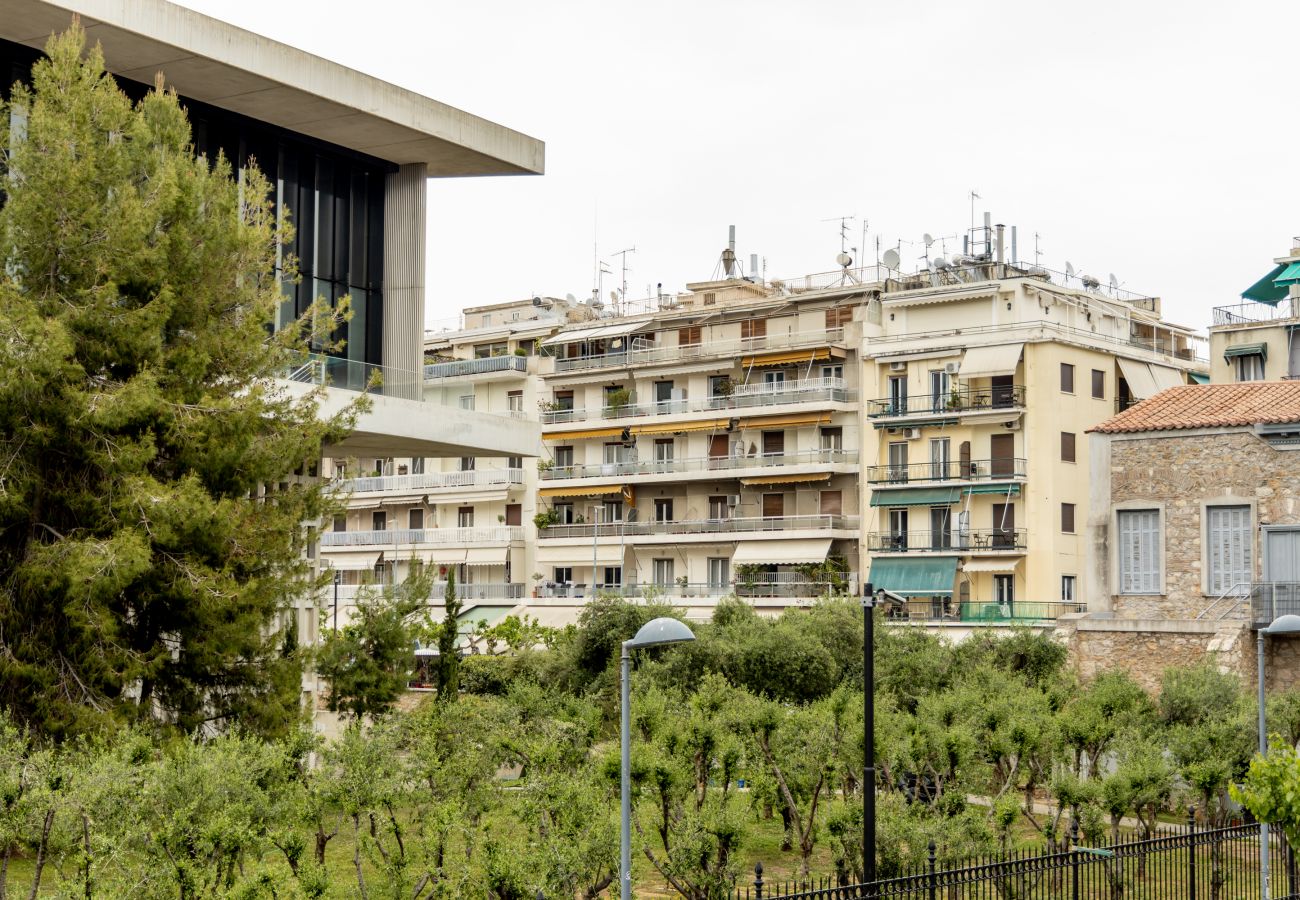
[1281, 595]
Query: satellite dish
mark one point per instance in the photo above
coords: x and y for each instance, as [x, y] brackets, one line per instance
[890, 259]
[928, 240]
[844, 260]
[940, 262]
[1069, 269]
[1114, 282]
[1090, 282]
[613, 296]
[570, 298]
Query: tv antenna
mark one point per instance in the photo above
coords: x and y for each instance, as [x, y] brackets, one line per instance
[973, 197]
[1037, 252]
[623, 254]
[844, 230]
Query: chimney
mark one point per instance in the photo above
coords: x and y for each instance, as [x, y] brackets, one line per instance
[1015, 257]
[1001, 230]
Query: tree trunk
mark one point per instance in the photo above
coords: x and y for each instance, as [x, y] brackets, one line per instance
[85, 844]
[356, 855]
[40, 855]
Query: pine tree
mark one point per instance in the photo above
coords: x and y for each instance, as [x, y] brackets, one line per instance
[448, 658]
[148, 546]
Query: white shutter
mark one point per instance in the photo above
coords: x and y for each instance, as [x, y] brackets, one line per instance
[1138, 547]
[1229, 553]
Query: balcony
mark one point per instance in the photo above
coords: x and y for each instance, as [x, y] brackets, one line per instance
[700, 464]
[992, 540]
[1270, 599]
[1255, 313]
[438, 592]
[953, 403]
[703, 526]
[940, 610]
[1000, 469]
[745, 396]
[432, 481]
[644, 352]
[802, 589]
[395, 537]
[461, 368]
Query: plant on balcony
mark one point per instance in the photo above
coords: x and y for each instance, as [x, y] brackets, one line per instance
[747, 575]
[954, 399]
[545, 519]
[617, 399]
[725, 388]
[520, 351]
[548, 405]
[682, 582]
[545, 465]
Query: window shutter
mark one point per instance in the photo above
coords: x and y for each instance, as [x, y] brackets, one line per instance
[1138, 548]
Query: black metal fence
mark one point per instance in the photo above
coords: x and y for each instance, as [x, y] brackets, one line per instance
[1215, 864]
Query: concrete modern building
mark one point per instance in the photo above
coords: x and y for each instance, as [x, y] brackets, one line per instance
[983, 377]
[349, 157]
[1259, 338]
[1194, 531]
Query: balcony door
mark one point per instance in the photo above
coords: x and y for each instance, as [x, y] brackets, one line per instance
[897, 529]
[898, 461]
[1004, 391]
[940, 528]
[1282, 566]
[898, 395]
[939, 386]
[773, 443]
[1002, 455]
[773, 506]
[940, 458]
[718, 446]
[1004, 526]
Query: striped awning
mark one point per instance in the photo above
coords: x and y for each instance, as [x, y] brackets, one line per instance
[585, 490]
[788, 357]
[582, 434]
[680, 427]
[786, 479]
[822, 418]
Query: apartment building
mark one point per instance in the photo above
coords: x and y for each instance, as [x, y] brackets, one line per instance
[1259, 338]
[983, 378]
[707, 447]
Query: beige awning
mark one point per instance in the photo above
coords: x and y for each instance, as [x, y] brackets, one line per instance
[577, 555]
[1141, 383]
[486, 556]
[786, 479]
[990, 565]
[598, 332]
[985, 362]
[781, 552]
[447, 556]
[1165, 377]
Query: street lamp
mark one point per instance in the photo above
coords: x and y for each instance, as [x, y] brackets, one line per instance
[1288, 624]
[868, 734]
[338, 577]
[654, 633]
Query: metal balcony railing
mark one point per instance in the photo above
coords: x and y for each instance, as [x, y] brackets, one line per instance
[954, 402]
[1270, 599]
[471, 591]
[1251, 313]
[703, 526]
[931, 541]
[1002, 468]
[624, 468]
[644, 352]
[353, 375]
[428, 481]
[392, 537]
[460, 368]
[746, 396]
[1016, 612]
[755, 590]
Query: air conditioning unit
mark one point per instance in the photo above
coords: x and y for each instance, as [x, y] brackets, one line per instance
[733, 500]
[898, 367]
[1012, 426]
[911, 433]
[952, 368]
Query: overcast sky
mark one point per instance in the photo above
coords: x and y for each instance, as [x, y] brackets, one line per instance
[1154, 140]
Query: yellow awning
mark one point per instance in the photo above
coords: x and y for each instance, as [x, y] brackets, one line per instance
[787, 357]
[586, 490]
[675, 427]
[580, 435]
[786, 479]
[822, 418]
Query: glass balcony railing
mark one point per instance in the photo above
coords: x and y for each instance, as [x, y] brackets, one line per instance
[749, 396]
[959, 542]
[644, 352]
[428, 481]
[460, 368]
[703, 526]
[749, 590]
[1002, 468]
[624, 468]
[471, 591]
[393, 537]
[954, 402]
[946, 610]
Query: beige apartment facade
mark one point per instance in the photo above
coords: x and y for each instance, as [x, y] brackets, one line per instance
[1259, 338]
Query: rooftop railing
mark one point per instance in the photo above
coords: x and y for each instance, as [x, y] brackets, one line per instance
[704, 526]
[393, 537]
[971, 540]
[462, 367]
[988, 612]
[438, 591]
[699, 464]
[749, 590]
[955, 402]
[643, 352]
[433, 480]
[1251, 313]
[746, 396]
[1001, 468]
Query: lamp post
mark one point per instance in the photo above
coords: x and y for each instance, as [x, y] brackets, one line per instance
[338, 577]
[1288, 624]
[654, 633]
[868, 734]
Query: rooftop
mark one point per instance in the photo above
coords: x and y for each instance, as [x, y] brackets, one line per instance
[1210, 406]
[215, 62]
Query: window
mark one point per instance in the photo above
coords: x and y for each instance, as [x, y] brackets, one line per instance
[467, 401]
[465, 517]
[688, 336]
[719, 508]
[529, 346]
[616, 396]
[940, 458]
[1250, 368]
[720, 386]
[563, 401]
[1004, 589]
[379, 521]
[514, 514]
[613, 576]
[897, 530]
[939, 383]
[1067, 378]
[773, 380]
[564, 575]
[832, 440]
[773, 506]
[710, 298]
[483, 351]
[898, 461]
[514, 462]
[340, 523]
[835, 372]
[612, 511]
[1229, 533]
[415, 519]
[1098, 384]
[663, 391]
[1067, 588]
[773, 443]
[664, 510]
[417, 465]
[564, 512]
[1067, 446]
[940, 528]
[665, 449]
[838, 316]
[753, 329]
[618, 453]
[515, 401]
[661, 572]
[831, 503]
[1138, 549]
[563, 457]
[897, 394]
[467, 464]
[1067, 518]
[719, 569]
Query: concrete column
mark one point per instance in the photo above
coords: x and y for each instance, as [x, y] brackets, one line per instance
[404, 227]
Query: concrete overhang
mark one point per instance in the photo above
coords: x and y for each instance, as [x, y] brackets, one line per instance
[395, 426]
[215, 62]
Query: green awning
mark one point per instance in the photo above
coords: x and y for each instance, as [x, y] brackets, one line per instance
[914, 577]
[916, 497]
[1004, 489]
[1246, 350]
[1290, 276]
[1199, 377]
[1264, 290]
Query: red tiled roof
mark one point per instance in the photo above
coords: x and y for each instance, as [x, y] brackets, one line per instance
[1210, 406]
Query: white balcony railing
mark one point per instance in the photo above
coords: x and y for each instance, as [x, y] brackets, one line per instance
[437, 592]
[460, 368]
[394, 537]
[744, 396]
[704, 526]
[645, 352]
[427, 481]
[700, 464]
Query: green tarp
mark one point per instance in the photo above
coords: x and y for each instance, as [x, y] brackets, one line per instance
[1246, 350]
[926, 577]
[1264, 290]
[1012, 489]
[916, 497]
[1290, 276]
[1199, 377]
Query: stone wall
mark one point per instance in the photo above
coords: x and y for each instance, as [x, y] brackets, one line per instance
[1181, 471]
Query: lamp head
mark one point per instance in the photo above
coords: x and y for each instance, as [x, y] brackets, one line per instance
[664, 630]
[1288, 624]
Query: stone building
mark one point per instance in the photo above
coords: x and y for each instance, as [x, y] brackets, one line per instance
[1194, 530]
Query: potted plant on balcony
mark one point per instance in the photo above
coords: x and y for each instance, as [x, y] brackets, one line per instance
[545, 519]
[954, 399]
[520, 351]
[616, 400]
[682, 582]
[747, 577]
[537, 583]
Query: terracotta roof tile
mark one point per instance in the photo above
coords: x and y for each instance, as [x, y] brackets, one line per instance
[1210, 406]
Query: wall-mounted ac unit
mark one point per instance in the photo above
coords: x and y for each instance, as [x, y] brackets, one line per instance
[733, 500]
[898, 367]
[952, 368]
[911, 433]
[1012, 426]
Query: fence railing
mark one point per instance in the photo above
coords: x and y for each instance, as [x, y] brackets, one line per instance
[749, 396]
[426, 481]
[704, 526]
[699, 464]
[354, 375]
[644, 352]
[496, 534]
[945, 609]
[749, 590]
[969, 540]
[459, 368]
[470, 591]
[1270, 599]
[1003, 467]
[1191, 864]
[953, 402]
[1250, 313]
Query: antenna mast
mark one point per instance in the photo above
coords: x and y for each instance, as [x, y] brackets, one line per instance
[623, 254]
[844, 229]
